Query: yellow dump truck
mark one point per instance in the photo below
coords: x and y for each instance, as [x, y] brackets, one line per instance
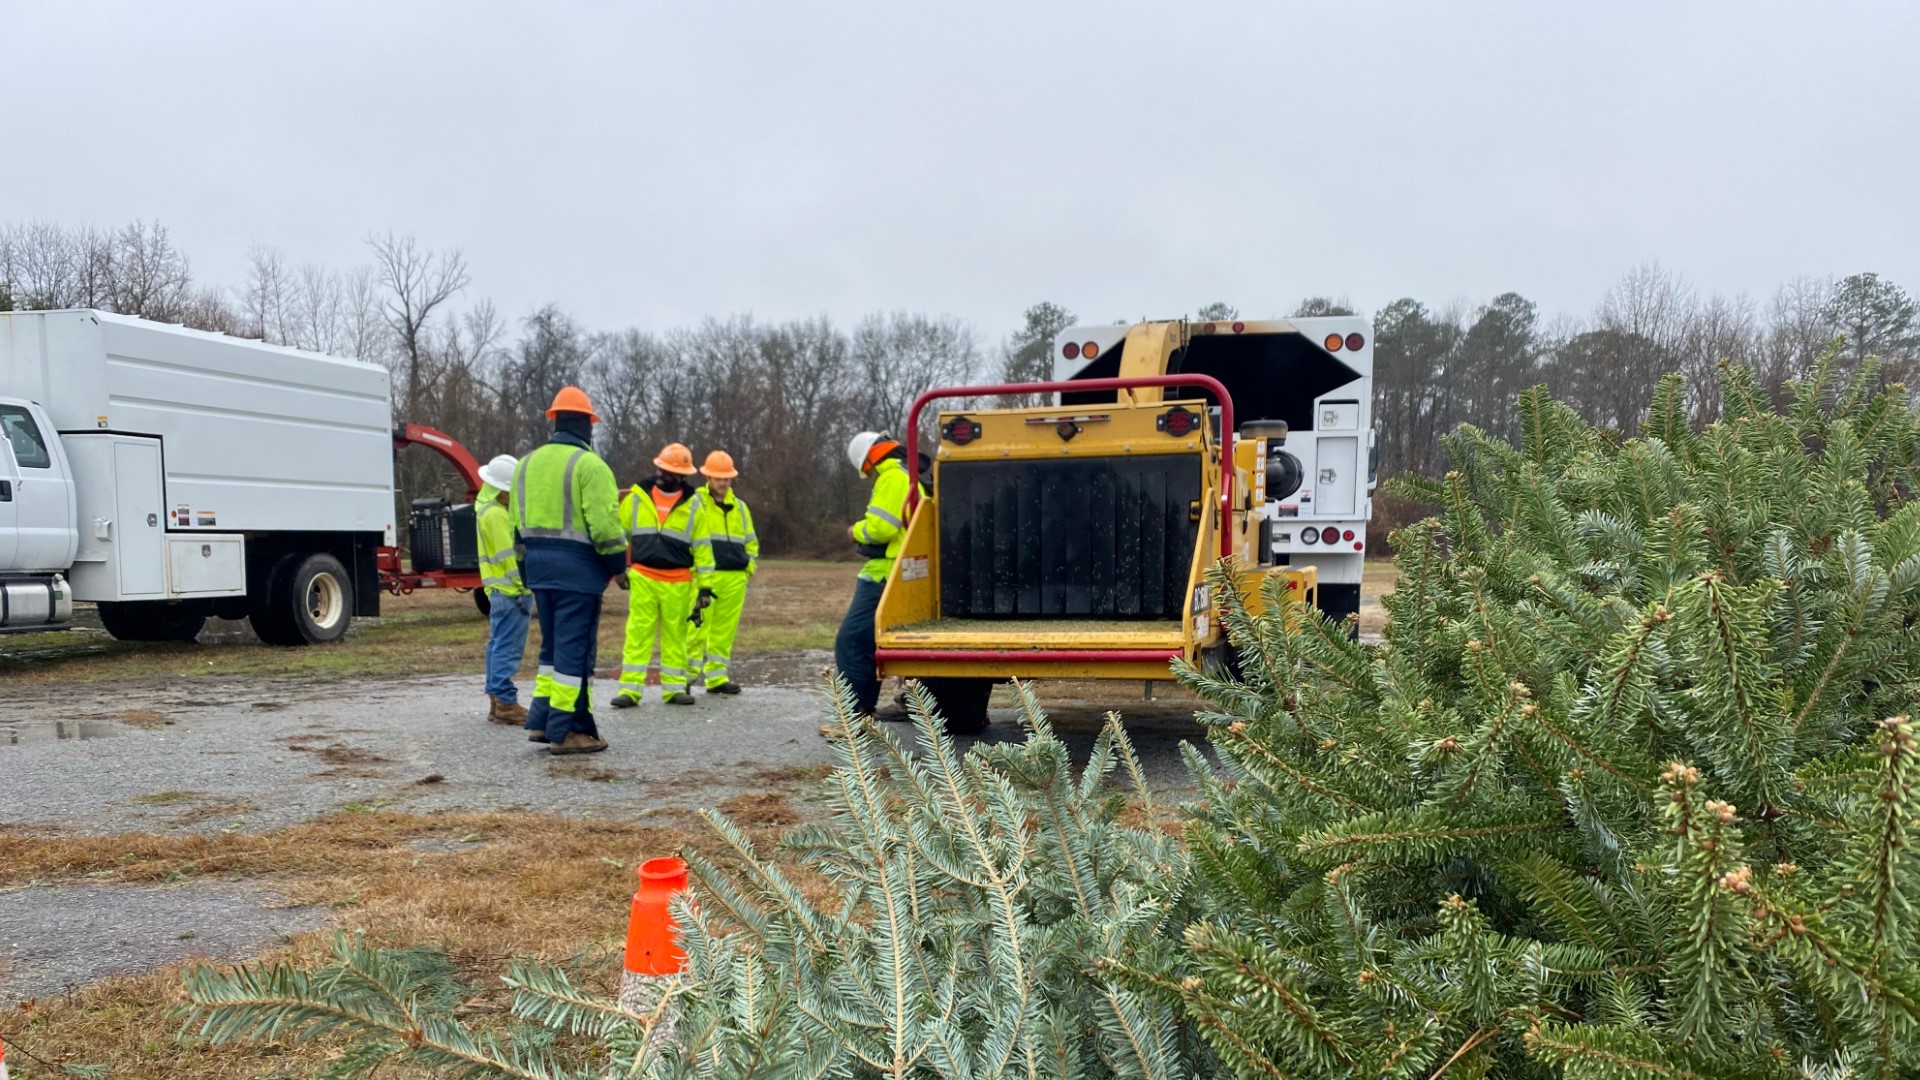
[1071, 540]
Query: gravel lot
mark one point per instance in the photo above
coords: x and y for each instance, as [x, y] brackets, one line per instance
[211, 753]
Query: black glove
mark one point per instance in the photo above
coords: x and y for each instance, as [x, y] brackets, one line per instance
[706, 597]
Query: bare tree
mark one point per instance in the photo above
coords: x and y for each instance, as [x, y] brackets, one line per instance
[150, 277]
[267, 300]
[899, 356]
[417, 282]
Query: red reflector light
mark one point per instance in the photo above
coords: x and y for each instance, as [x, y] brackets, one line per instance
[1348, 535]
[1239, 328]
[1207, 329]
[962, 430]
[1090, 350]
[1329, 534]
[1357, 545]
[1071, 350]
[1333, 342]
[1292, 584]
[1355, 342]
[1179, 422]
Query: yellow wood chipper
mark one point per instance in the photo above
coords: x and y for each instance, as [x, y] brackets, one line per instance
[1072, 540]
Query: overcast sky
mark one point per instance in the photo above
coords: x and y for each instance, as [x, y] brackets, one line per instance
[651, 164]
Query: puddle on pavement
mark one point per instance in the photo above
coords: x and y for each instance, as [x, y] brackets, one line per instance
[37, 732]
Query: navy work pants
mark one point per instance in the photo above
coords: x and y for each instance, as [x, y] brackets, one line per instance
[569, 646]
[853, 649]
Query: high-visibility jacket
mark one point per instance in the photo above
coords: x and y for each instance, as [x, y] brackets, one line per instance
[730, 525]
[565, 511]
[499, 562]
[679, 543]
[879, 535]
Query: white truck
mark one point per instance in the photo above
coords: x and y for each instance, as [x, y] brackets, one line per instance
[170, 475]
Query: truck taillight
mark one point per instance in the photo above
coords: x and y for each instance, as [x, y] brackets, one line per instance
[1178, 422]
[1071, 350]
[1334, 342]
[1329, 535]
[1355, 342]
[1090, 350]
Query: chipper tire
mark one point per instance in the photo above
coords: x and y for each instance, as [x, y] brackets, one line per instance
[962, 702]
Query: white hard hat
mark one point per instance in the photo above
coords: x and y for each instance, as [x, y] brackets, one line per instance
[499, 471]
[858, 448]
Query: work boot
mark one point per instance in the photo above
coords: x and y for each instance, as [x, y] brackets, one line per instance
[578, 743]
[681, 698]
[893, 715]
[728, 687]
[505, 712]
[626, 700]
[538, 736]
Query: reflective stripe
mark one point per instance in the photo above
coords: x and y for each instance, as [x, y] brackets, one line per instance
[672, 671]
[884, 516]
[555, 534]
[571, 681]
[520, 490]
[750, 538]
[566, 487]
[634, 669]
[500, 582]
[705, 542]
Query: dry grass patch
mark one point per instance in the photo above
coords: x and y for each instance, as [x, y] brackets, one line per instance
[483, 888]
[142, 718]
[760, 808]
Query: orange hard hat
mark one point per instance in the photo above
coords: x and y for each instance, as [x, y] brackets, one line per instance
[720, 466]
[572, 399]
[676, 458]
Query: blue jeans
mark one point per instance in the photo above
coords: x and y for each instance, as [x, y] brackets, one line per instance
[853, 649]
[507, 644]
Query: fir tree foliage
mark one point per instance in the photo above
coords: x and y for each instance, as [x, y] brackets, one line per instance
[1626, 791]
[968, 900]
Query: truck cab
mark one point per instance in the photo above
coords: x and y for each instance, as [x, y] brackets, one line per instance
[37, 534]
[1074, 539]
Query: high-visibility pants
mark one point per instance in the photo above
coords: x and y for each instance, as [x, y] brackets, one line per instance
[563, 687]
[713, 638]
[656, 607]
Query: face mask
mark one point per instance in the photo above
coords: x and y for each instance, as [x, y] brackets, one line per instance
[668, 482]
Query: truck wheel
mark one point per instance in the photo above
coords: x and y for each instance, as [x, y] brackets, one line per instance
[484, 602]
[133, 621]
[308, 600]
[962, 702]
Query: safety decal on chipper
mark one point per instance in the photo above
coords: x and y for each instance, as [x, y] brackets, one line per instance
[914, 568]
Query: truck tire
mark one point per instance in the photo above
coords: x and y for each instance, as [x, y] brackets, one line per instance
[134, 621]
[962, 702]
[308, 600]
[484, 602]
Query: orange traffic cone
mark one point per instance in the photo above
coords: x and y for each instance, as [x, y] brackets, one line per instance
[651, 949]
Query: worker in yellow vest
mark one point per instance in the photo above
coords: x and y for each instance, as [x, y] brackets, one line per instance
[736, 558]
[509, 600]
[670, 564]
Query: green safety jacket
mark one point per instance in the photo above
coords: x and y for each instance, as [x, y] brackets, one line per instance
[678, 543]
[879, 535]
[565, 512]
[730, 525]
[499, 561]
